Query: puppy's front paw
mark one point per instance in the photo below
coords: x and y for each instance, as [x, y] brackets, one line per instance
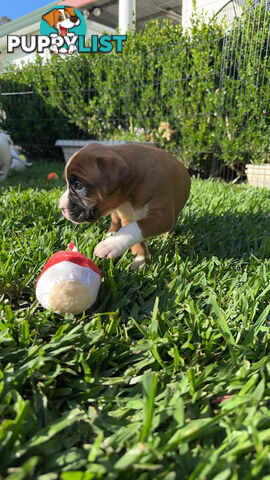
[110, 234]
[54, 49]
[109, 248]
[72, 49]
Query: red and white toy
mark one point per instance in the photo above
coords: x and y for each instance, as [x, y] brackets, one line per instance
[69, 282]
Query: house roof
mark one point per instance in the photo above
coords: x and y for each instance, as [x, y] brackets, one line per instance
[145, 10]
[77, 3]
[36, 15]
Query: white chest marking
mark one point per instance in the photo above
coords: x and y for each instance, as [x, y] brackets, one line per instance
[130, 213]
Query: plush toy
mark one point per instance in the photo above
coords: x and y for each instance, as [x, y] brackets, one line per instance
[69, 282]
[19, 161]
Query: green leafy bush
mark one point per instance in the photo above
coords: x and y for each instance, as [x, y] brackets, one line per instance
[32, 122]
[209, 84]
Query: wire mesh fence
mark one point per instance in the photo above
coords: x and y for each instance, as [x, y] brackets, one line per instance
[245, 84]
[205, 98]
[230, 10]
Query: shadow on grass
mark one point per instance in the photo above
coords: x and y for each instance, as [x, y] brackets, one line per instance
[229, 235]
[231, 238]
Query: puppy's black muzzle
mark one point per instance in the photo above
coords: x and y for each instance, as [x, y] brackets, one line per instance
[78, 212]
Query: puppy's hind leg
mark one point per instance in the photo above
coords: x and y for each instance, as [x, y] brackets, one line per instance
[141, 251]
[115, 225]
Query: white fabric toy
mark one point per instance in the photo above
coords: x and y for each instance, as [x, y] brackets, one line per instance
[19, 162]
[68, 283]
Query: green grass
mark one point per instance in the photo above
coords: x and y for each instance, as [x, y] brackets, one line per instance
[130, 389]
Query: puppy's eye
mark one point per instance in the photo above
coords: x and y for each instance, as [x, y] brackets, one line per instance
[77, 185]
[60, 17]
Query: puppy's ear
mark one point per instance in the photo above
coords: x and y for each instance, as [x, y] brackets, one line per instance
[114, 172]
[71, 11]
[49, 17]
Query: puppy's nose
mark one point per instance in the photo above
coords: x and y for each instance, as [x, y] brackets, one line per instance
[73, 19]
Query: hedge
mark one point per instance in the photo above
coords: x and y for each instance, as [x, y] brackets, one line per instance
[209, 84]
[31, 121]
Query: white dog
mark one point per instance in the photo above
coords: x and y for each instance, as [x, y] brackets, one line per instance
[5, 155]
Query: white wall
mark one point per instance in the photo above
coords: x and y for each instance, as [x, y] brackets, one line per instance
[209, 7]
[94, 28]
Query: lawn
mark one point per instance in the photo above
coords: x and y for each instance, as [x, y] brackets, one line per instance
[132, 389]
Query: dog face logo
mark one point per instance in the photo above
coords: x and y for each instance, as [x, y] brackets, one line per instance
[63, 24]
[62, 19]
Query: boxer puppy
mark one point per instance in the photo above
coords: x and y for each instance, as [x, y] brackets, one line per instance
[143, 188]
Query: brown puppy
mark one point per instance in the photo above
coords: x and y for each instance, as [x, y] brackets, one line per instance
[143, 188]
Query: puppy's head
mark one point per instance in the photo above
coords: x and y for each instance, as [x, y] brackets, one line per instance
[62, 18]
[95, 177]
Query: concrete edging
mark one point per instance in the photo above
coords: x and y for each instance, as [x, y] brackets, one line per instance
[69, 147]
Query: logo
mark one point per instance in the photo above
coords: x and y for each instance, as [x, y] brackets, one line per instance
[63, 25]
[62, 31]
